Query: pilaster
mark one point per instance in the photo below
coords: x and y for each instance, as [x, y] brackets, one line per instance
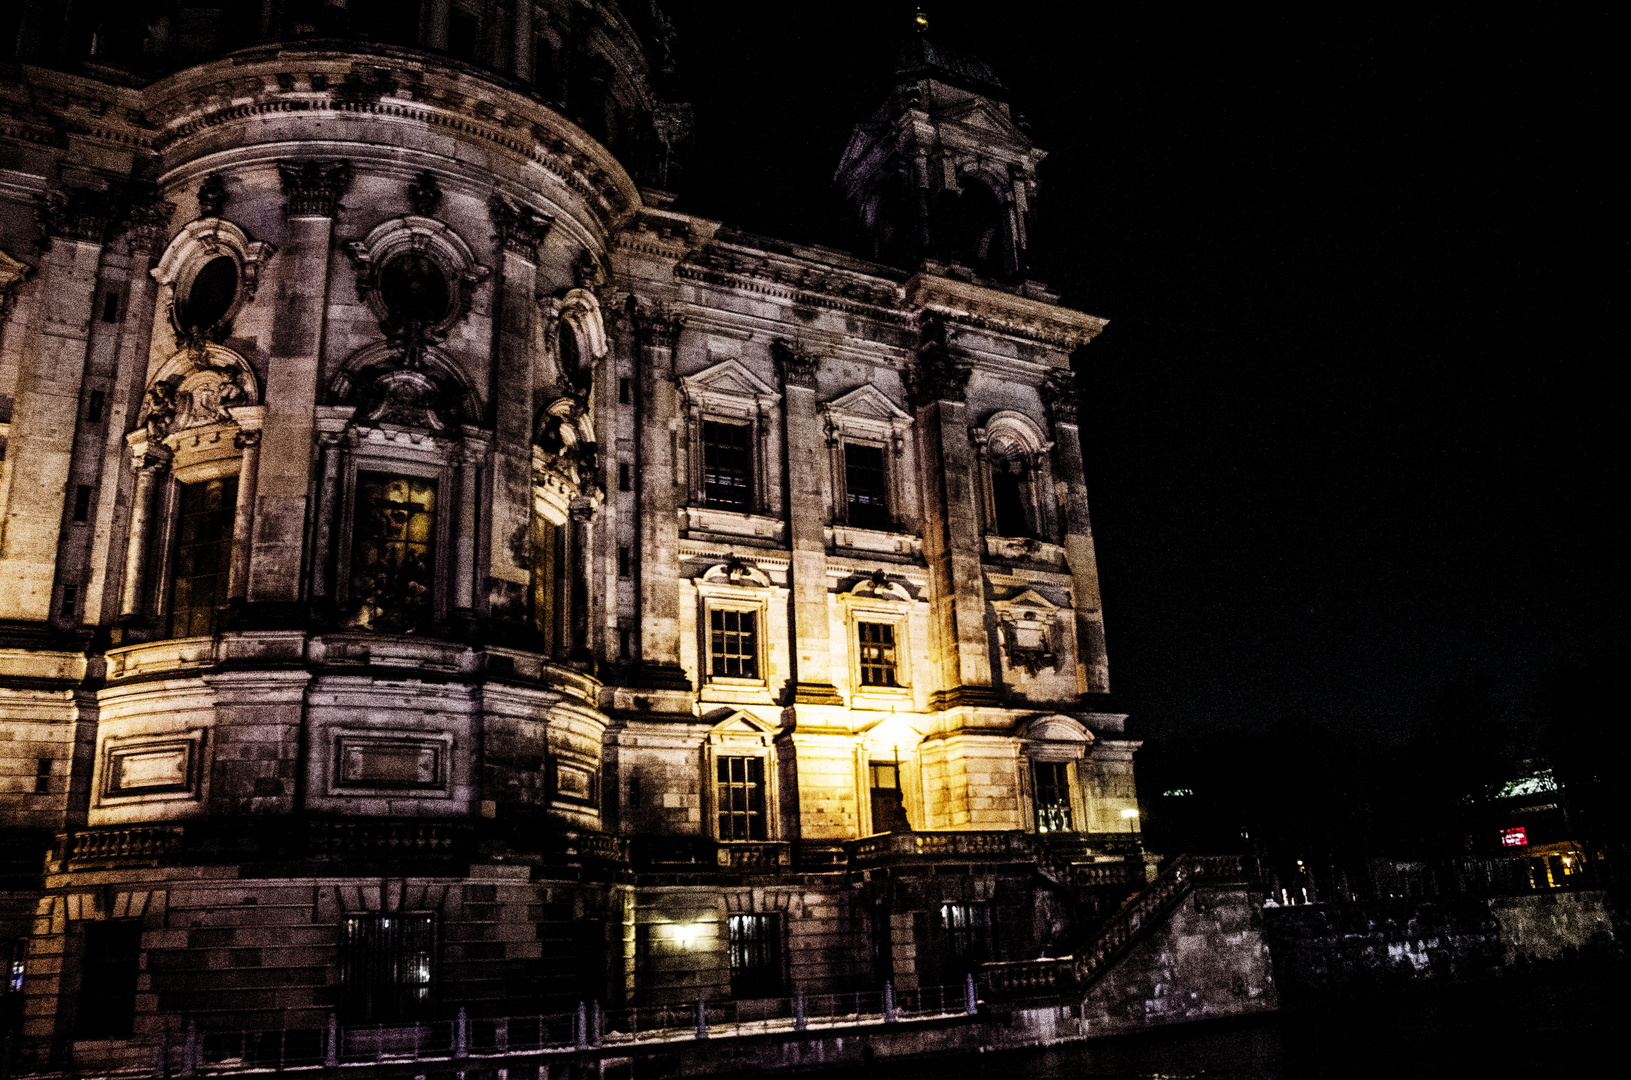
[807, 520]
[659, 523]
[1059, 396]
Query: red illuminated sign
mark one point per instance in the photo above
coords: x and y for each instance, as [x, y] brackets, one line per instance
[1517, 837]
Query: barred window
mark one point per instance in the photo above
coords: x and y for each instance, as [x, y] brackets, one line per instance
[385, 967]
[877, 654]
[865, 489]
[203, 555]
[968, 935]
[756, 956]
[727, 465]
[733, 646]
[1052, 796]
[740, 798]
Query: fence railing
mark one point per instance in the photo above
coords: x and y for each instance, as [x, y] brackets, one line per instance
[195, 1053]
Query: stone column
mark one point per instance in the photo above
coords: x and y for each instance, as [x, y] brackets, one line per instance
[579, 562]
[313, 189]
[521, 66]
[435, 28]
[472, 454]
[951, 522]
[1059, 395]
[150, 460]
[519, 231]
[249, 419]
[807, 521]
[658, 412]
[332, 422]
[39, 454]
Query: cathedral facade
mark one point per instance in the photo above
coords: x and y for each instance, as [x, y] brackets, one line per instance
[437, 572]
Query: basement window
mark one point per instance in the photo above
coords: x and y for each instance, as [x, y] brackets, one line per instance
[386, 965]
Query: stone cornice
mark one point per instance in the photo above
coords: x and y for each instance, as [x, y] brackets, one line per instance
[991, 309]
[798, 280]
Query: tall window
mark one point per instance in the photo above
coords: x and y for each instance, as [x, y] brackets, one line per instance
[968, 935]
[888, 809]
[865, 487]
[107, 986]
[385, 966]
[393, 554]
[756, 956]
[733, 644]
[203, 555]
[1052, 796]
[740, 797]
[1008, 497]
[727, 465]
[877, 654]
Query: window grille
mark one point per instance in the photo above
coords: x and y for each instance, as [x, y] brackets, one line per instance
[393, 554]
[203, 555]
[756, 956]
[727, 465]
[865, 486]
[740, 798]
[107, 986]
[1052, 796]
[733, 645]
[968, 934]
[877, 654]
[385, 967]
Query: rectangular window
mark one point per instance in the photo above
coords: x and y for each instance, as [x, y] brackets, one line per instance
[94, 407]
[70, 601]
[107, 985]
[741, 798]
[18, 968]
[203, 555]
[1052, 796]
[625, 392]
[877, 654]
[865, 487]
[625, 478]
[42, 776]
[756, 956]
[625, 643]
[623, 562]
[968, 936]
[393, 554]
[82, 502]
[727, 465]
[385, 967]
[733, 645]
[1008, 493]
[110, 307]
[888, 809]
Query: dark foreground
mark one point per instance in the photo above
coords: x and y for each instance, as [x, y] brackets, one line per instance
[1565, 1026]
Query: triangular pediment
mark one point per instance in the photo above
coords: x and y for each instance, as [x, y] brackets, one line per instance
[869, 402]
[729, 377]
[982, 116]
[742, 723]
[1030, 598]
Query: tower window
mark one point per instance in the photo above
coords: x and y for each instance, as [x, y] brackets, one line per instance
[70, 601]
[877, 654]
[82, 502]
[110, 307]
[1052, 796]
[756, 956]
[95, 406]
[740, 798]
[42, 776]
[733, 645]
[623, 562]
[625, 479]
[107, 988]
[1008, 499]
[385, 966]
[727, 465]
[625, 391]
[865, 488]
[203, 555]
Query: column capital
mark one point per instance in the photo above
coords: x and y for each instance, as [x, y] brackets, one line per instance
[658, 328]
[147, 221]
[798, 368]
[212, 196]
[313, 187]
[934, 375]
[520, 228]
[1059, 396]
[147, 454]
[77, 214]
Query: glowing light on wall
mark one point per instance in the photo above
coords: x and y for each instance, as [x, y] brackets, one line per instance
[1515, 837]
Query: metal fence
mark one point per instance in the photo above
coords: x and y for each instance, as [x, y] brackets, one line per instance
[195, 1053]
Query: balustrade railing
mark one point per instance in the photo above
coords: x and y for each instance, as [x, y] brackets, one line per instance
[138, 842]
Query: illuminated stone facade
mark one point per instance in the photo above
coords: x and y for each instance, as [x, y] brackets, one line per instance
[422, 540]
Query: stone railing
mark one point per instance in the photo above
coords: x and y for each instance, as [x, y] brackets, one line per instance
[755, 856]
[939, 845]
[1144, 909]
[602, 848]
[387, 837]
[138, 842]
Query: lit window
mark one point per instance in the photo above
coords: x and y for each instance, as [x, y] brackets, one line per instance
[1052, 796]
[877, 654]
[203, 556]
[727, 465]
[733, 646]
[393, 554]
[741, 798]
[865, 487]
[385, 967]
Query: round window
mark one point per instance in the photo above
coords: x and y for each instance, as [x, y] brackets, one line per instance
[211, 294]
[413, 288]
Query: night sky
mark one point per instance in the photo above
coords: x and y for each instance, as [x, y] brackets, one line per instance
[1352, 433]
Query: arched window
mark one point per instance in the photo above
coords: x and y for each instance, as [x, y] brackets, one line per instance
[1014, 457]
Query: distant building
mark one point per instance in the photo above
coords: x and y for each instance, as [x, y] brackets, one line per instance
[439, 573]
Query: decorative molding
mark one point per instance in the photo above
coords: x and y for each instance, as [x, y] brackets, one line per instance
[314, 187]
[520, 228]
[934, 375]
[993, 309]
[78, 214]
[425, 195]
[212, 196]
[12, 274]
[197, 386]
[434, 240]
[797, 368]
[657, 329]
[1059, 396]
